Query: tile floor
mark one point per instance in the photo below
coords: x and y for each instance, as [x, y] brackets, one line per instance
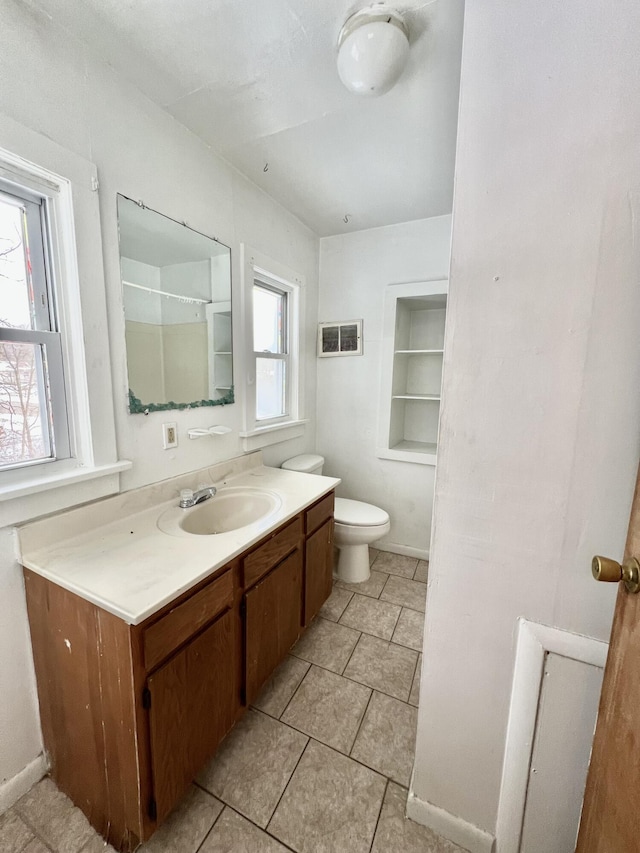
[320, 764]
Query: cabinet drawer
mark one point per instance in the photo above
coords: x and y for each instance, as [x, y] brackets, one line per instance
[319, 513]
[266, 556]
[185, 620]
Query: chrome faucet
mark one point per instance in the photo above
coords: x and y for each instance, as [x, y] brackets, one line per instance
[190, 498]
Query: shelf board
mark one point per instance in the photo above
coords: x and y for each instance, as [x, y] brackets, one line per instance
[416, 446]
[419, 351]
[222, 352]
[223, 387]
[416, 397]
[221, 307]
[418, 452]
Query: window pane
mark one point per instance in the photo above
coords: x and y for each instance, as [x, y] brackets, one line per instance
[16, 287]
[270, 388]
[24, 410]
[269, 319]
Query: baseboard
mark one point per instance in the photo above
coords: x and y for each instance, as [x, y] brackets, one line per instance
[454, 828]
[14, 788]
[405, 550]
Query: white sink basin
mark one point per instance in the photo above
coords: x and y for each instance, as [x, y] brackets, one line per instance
[229, 509]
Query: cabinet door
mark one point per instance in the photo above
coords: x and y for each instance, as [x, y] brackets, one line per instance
[273, 611]
[194, 700]
[318, 570]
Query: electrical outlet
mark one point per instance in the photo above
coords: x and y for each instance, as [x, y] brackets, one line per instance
[169, 435]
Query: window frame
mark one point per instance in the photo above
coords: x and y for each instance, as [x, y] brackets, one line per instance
[47, 334]
[70, 184]
[283, 356]
[272, 275]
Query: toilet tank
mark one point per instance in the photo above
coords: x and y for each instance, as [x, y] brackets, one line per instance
[308, 463]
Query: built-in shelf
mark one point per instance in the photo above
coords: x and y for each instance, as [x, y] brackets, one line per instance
[412, 374]
[220, 349]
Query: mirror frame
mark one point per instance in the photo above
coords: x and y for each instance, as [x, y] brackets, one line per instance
[136, 405]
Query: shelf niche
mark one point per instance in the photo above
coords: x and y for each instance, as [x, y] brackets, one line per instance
[413, 344]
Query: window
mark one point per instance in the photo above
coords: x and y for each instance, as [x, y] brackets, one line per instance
[57, 424]
[272, 308]
[270, 346]
[33, 413]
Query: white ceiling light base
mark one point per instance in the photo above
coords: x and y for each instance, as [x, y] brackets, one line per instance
[373, 48]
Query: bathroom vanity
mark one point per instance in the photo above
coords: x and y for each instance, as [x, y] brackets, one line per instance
[133, 703]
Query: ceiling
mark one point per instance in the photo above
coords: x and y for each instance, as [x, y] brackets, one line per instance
[257, 80]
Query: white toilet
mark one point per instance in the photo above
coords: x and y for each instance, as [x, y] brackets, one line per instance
[357, 524]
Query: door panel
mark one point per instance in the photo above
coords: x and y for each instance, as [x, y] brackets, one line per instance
[318, 570]
[272, 621]
[609, 821]
[194, 700]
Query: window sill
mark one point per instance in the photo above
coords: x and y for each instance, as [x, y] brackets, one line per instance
[28, 492]
[273, 434]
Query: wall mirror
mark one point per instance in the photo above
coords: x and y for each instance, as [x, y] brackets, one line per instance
[177, 307]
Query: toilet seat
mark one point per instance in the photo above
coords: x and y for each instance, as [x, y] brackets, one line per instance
[358, 514]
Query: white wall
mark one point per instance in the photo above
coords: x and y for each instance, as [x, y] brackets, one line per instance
[355, 270]
[53, 86]
[541, 401]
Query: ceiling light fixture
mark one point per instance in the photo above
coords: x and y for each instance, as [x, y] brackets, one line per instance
[373, 48]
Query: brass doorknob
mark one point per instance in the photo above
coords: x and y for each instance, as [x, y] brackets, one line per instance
[611, 571]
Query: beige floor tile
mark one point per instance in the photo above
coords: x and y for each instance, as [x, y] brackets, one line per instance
[415, 687]
[14, 833]
[54, 817]
[373, 555]
[331, 804]
[410, 629]
[36, 846]
[422, 571]
[329, 708]
[187, 825]
[387, 737]
[371, 616]
[396, 564]
[406, 592]
[99, 845]
[233, 834]
[334, 606]
[372, 587]
[383, 666]
[326, 644]
[253, 765]
[398, 834]
[275, 695]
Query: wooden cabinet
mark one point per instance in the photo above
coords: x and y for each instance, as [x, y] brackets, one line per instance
[130, 714]
[272, 621]
[318, 570]
[318, 560]
[193, 701]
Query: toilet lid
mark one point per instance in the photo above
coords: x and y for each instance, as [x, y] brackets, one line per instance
[358, 513]
[305, 462]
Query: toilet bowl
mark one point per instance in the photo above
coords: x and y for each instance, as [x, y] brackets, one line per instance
[357, 525]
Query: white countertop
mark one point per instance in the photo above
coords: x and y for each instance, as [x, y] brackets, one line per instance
[128, 566]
